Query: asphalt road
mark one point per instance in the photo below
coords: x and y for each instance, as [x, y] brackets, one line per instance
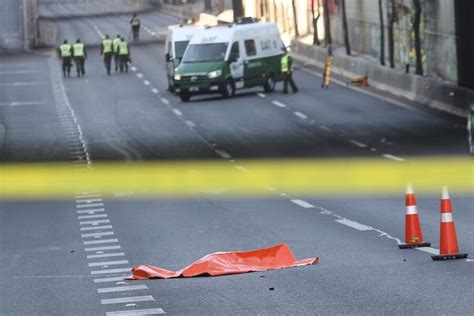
[45, 268]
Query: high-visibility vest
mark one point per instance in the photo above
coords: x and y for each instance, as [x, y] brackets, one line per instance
[107, 46]
[116, 43]
[135, 21]
[78, 49]
[285, 67]
[65, 50]
[123, 48]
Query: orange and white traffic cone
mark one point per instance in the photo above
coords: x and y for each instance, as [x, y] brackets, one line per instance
[413, 235]
[448, 248]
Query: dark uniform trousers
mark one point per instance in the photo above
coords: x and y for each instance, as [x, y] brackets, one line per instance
[288, 78]
[80, 65]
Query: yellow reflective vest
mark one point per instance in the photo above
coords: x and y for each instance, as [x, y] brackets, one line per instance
[78, 49]
[107, 46]
[116, 43]
[285, 63]
[65, 50]
[123, 48]
[135, 21]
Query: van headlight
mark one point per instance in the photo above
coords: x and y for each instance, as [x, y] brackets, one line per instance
[214, 74]
[177, 77]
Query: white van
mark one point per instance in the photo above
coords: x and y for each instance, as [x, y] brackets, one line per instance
[177, 39]
[223, 59]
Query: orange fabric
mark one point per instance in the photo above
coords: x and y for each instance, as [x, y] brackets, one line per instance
[221, 263]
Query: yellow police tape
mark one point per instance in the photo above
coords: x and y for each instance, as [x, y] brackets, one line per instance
[315, 177]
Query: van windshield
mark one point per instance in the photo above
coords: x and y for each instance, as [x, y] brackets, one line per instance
[179, 48]
[199, 53]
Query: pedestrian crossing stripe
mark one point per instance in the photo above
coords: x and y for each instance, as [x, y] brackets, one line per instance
[311, 177]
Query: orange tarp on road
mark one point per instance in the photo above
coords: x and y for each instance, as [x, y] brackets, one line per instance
[221, 263]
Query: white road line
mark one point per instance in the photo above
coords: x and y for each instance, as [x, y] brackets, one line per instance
[87, 195]
[165, 101]
[99, 221]
[19, 72]
[301, 115]
[88, 201]
[155, 91]
[106, 255]
[111, 271]
[262, 95]
[358, 144]
[91, 211]
[353, 224]
[392, 157]
[241, 168]
[22, 103]
[90, 205]
[108, 263]
[153, 33]
[96, 227]
[139, 75]
[177, 112]
[21, 84]
[324, 127]
[86, 192]
[101, 241]
[102, 248]
[223, 154]
[146, 82]
[111, 279]
[279, 104]
[133, 68]
[122, 288]
[430, 250]
[88, 235]
[137, 312]
[92, 216]
[302, 203]
[123, 300]
[190, 124]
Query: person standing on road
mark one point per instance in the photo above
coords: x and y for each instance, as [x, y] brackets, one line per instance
[65, 53]
[79, 53]
[287, 72]
[124, 55]
[106, 50]
[135, 22]
[115, 44]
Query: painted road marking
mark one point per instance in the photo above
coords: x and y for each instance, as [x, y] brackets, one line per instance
[88, 195]
[165, 101]
[223, 154]
[133, 68]
[392, 157]
[241, 168]
[190, 124]
[300, 115]
[358, 144]
[102, 248]
[90, 205]
[22, 103]
[93, 235]
[177, 112]
[102, 241]
[302, 203]
[21, 84]
[139, 75]
[91, 211]
[262, 95]
[111, 271]
[88, 201]
[19, 72]
[146, 82]
[430, 250]
[123, 300]
[324, 127]
[279, 104]
[353, 224]
[92, 216]
[155, 91]
[106, 255]
[111, 279]
[122, 288]
[130, 312]
[108, 263]
[99, 221]
[96, 227]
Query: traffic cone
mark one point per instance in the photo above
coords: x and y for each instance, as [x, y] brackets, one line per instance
[413, 235]
[448, 248]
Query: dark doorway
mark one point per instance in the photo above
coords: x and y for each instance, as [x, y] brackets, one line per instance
[464, 11]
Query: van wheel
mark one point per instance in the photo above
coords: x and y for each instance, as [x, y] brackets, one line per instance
[229, 89]
[269, 85]
[185, 97]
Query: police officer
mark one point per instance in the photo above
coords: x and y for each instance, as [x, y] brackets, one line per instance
[287, 72]
[124, 55]
[106, 50]
[65, 53]
[79, 54]
[115, 44]
[135, 22]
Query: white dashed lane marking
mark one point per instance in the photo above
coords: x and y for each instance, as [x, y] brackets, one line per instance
[96, 227]
[165, 101]
[106, 255]
[111, 279]
[101, 241]
[123, 300]
[392, 157]
[353, 224]
[190, 124]
[301, 115]
[324, 127]
[107, 263]
[99, 221]
[146, 82]
[223, 154]
[177, 112]
[140, 75]
[90, 205]
[102, 248]
[88, 235]
[262, 95]
[92, 216]
[22, 103]
[111, 271]
[91, 211]
[155, 91]
[122, 288]
[88, 200]
[302, 203]
[279, 104]
[149, 311]
[358, 144]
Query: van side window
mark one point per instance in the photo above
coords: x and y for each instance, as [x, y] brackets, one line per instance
[234, 51]
[250, 48]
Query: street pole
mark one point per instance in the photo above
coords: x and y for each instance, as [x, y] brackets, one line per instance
[238, 8]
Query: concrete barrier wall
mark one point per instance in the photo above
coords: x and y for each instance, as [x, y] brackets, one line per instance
[431, 92]
[47, 34]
